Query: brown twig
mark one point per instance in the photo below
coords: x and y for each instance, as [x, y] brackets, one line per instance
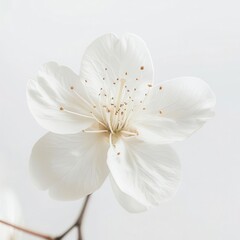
[22, 229]
[77, 224]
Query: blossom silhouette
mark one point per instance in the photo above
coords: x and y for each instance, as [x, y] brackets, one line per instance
[112, 120]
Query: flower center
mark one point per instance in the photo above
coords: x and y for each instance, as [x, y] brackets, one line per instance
[115, 105]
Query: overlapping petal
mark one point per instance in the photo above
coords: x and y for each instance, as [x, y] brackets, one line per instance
[175, 109]
[109, 59]
[69, 166]
[147, 173]
[126, 201]
[55, 102]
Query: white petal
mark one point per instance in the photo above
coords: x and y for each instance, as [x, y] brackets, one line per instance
[127, 202]
[110, 58]
[70, 166]
[176, 108]
[50, 92]
[147, 173]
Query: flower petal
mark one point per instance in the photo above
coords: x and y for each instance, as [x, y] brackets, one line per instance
[70, 166]
[127, 202]
[175, 109]
[147, 173]
[109, 59]
[54, 101]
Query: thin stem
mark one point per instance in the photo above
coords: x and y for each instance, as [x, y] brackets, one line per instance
[36, 234]
[78, 223]
[81, 217]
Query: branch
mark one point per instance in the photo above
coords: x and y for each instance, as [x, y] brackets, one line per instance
[77, 224]
[22, 229]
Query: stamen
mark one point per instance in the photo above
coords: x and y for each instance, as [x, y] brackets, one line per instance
[110, 140]
[95, 131]
[75, 113]
[108, 115]
[123, 81]
[83, 99]
[129, 133]
[98, 120]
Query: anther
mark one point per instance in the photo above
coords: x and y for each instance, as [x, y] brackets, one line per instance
[85, 81]
[142, 68]
[126, 73]
[136, 78]
[160, 88]
[61, 108]
[105, 69]
[144, 108]
[160, 112]
[72, 87]
[94, 106]
[118, 153]
[149, 85]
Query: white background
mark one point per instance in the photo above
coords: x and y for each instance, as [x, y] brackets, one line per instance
[186, 37]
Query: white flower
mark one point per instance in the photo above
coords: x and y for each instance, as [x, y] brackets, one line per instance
[111, 120]
[9, 211]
